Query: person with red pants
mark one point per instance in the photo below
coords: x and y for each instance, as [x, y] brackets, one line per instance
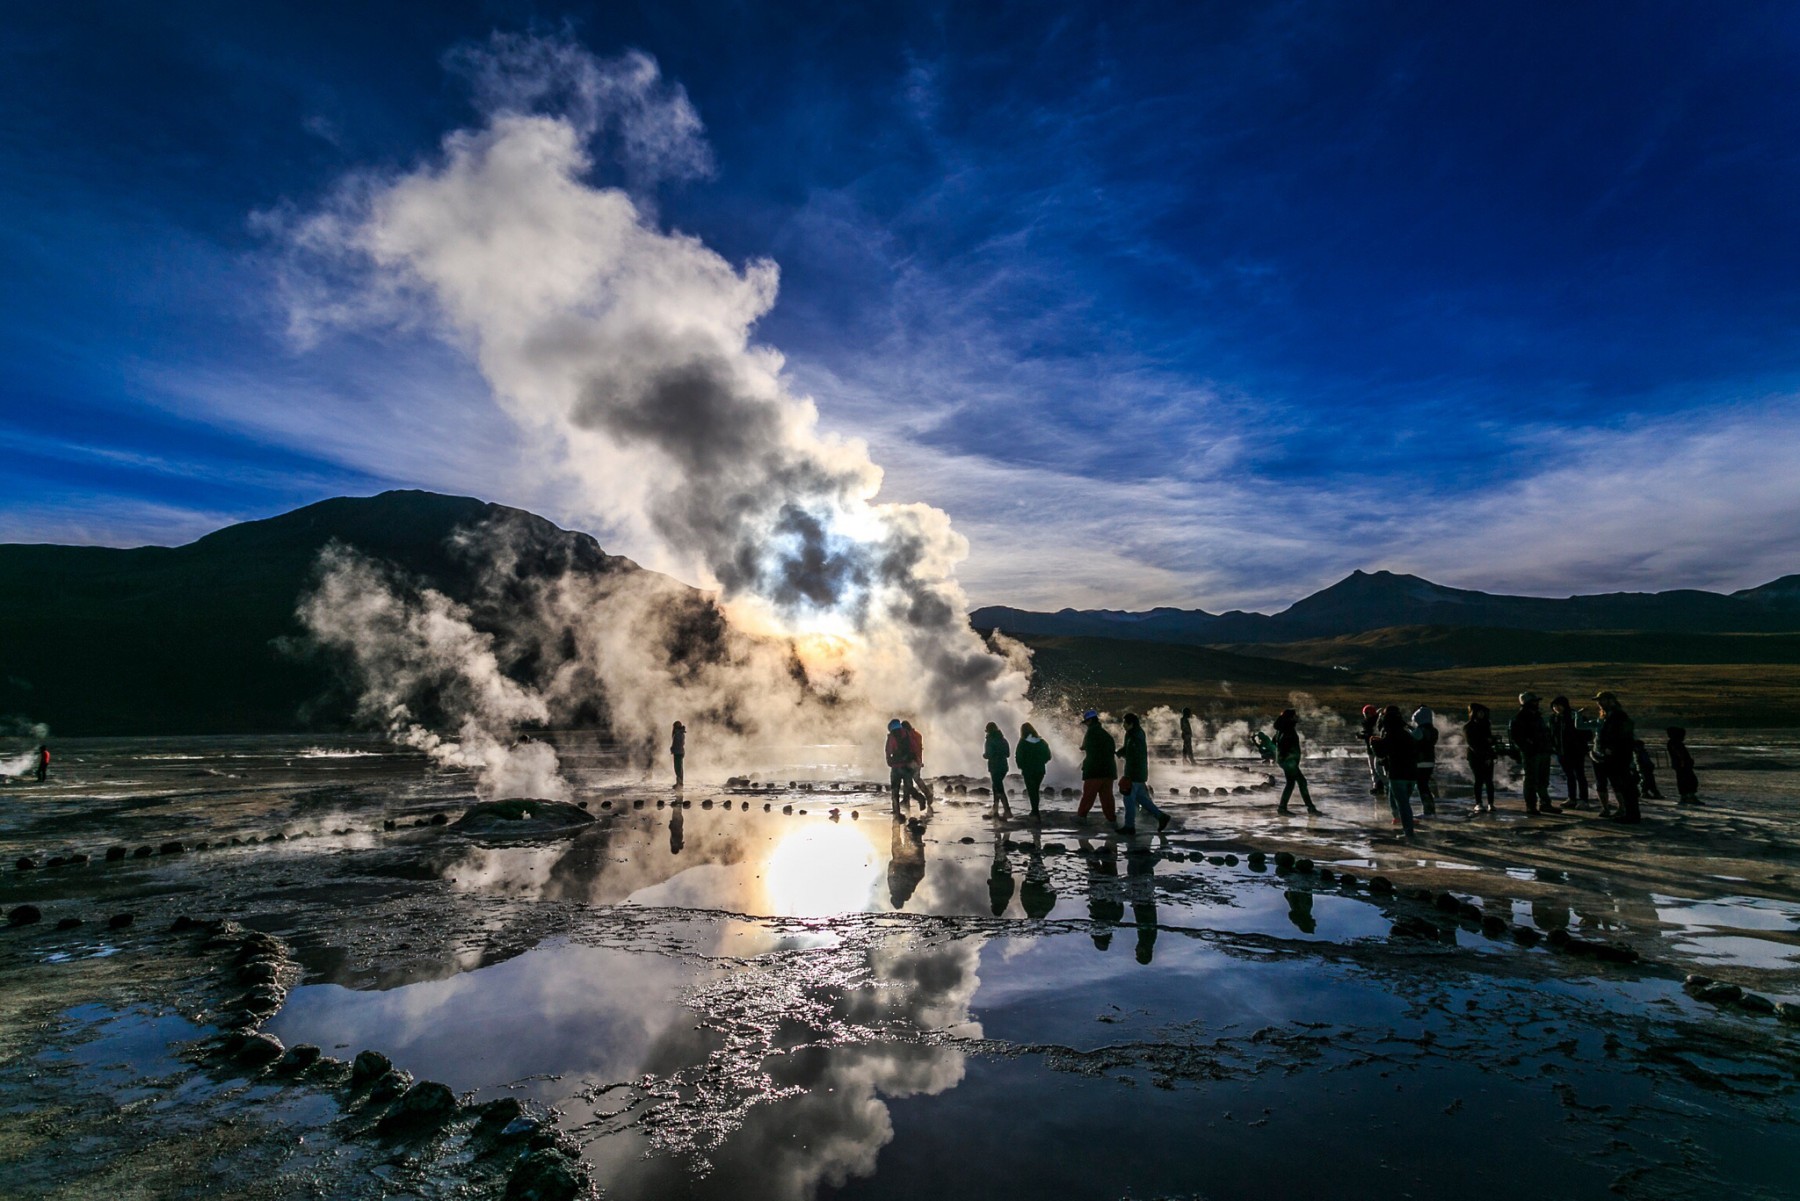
[1098, 752]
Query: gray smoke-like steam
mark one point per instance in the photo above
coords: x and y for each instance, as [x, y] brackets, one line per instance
[626, 351]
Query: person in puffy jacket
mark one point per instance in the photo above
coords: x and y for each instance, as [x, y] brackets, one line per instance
[1531, 736]
[1134, 779]
[997, 753]
[1287, 753]
[1033, 757]
[1424, 728]
[1614, 757]
[1398, 751]
[1478, 736]
[1687, 781]
[903, 769]
[1098, 750]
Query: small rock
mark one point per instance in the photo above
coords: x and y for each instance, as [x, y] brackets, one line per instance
[390, 1084]
[501, 1112]
[260, 1049]
[1787, 1011]
[142, 853]
[1326, 875]
[68, 923]
[1231, 861]
[23, 915]
[367, 1066]
[258, 971]
[707, 803]
[173, 847]
[114, 854]
[1696, 981]
[1469, 911]
[1493, 925]
[545, 1174]
[638, 804]
[1381, 886]
[183, 924]
[1284, 860]
[1559, 937]
[1303, 865]
[1719, 993]
[56, 861]
[1526, 936]
[1216, 860]
[301, 1057]
[26, 863]
[119, 921]
[78, 859]
[520, 1127]
[1347, 881]
[439, 819]
[1756, 1003]
[1608, 952]
[426, 1103]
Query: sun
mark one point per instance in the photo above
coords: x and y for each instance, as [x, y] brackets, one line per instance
[821, 871]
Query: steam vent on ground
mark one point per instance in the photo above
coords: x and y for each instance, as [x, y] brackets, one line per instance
[679, 602]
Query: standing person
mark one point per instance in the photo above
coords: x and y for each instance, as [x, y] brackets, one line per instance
[1187, 735]
[1646, 770]
[1570, 745]
[1377, 781]
[901, 776]
[678, 750]
[1687, 782]
[1287, 753]
[1397, 749]
[915, 761]
[1097, 753]
[1478, 734]
[43, 761]
[1033, 757]
[1612, 754]
[1133, 781]
[1426, 731]
[1532, 738]
[996, 752]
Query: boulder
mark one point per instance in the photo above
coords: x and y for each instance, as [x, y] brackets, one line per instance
[425, 1104]
[390, 1084]
[1756, 1003]
[1381, 886]
[23, 915]
[142, 853]
[1719, 993]
[259, 1050]
[68, 923]
[301, 1057]
[545, 1174]
[520, 816]
[114, 854]
[1526, 936]
[438, 819]
[119, 921]
[367, 1066]
[1788, 1011]
[174, 847]
[500, 1113]
[26, 863]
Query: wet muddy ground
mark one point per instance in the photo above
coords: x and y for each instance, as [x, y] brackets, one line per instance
[738, 992]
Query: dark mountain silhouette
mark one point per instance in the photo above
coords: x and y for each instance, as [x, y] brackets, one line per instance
[1365, 601]
[194, 639]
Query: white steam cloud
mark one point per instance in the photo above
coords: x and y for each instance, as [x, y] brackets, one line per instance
[625, 351]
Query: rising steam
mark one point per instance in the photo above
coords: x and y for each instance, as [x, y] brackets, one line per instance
[625, 351]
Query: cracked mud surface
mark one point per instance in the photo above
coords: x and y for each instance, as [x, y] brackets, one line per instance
[723, 1000]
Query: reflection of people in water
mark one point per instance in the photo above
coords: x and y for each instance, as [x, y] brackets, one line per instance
[1105, 908]
[1036, 896]
[1140, 890]
[906, 860]
[675, 832]
[1300, 910]
[1000, 880]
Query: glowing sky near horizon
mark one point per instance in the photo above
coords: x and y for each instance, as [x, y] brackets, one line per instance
[1164, 304]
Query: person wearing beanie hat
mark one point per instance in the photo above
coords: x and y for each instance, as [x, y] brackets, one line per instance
[1098, 750]
[1424, 728]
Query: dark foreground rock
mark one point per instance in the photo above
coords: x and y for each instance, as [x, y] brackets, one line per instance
[521, 817]
[545, 1174]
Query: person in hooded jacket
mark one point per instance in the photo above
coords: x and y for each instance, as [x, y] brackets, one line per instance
[902, 770]
[1398, 751]
[1570, 744]
[1424, 728]
[997, 752]
[1478, 736]
[1098, 750]
[1531, 736]
[1033, 757]
[1687, 781]
[1134, 780]
[1377, 780]
[1613, 755]
[1287, 753]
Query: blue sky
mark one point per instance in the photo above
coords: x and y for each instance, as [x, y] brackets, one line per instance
[1165, 304]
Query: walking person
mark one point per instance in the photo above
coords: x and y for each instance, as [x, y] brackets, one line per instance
[1377, 781]
[1033, 757]
[1478, 736]
[902, 778]
[1287, 753]
[996, 752]
[43, 761]
[1570, 745]
[678, 750]
[1134, 780]
[1613, 754]
[1098, 750]
[1397, 750]
[1531, 736]
[1424, 728]
[915, 756]
[1187, 736]
[1687, 781]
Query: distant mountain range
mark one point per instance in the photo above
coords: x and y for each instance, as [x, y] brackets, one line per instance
[1365, 601]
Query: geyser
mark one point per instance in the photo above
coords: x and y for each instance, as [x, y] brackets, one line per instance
[625, 353]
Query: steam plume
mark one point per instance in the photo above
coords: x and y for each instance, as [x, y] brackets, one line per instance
[627, 351]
